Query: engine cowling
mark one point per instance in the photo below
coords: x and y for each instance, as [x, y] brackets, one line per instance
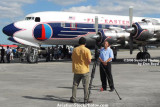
[113, 36]
[144, 30]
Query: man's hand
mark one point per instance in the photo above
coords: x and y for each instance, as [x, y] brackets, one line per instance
[89, 61]
[104, 63]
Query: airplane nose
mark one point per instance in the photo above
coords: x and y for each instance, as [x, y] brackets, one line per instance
[10, 29]
[12, 39]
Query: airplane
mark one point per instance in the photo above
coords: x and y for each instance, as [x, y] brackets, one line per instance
[65, 28]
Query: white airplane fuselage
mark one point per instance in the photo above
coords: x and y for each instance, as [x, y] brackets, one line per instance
[64, 28]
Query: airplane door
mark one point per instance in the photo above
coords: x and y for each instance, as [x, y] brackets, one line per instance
[73, 26]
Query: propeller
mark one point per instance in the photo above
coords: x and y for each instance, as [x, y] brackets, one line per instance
[97, 37]
[131, 15]
[96, 28]
[96, 24]
[131, 21]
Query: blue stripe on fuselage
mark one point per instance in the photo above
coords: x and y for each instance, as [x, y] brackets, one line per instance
[59, 32]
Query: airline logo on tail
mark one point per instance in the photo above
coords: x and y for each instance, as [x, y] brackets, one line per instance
[42, 32]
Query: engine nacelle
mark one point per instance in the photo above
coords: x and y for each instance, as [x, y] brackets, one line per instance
[144, 30]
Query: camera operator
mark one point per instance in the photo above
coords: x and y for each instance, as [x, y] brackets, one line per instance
[81, 58]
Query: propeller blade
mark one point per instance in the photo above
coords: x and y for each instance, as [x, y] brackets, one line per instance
[131, 21]
[131, 15]
[131, 44]
[96, 24]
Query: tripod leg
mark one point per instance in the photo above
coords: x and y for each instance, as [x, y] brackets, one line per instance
[117, 94]
[92, 76]
[93, 71]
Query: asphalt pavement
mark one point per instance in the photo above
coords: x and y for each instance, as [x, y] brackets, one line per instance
[49, 84]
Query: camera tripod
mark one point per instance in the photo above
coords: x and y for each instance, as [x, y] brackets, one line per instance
[93, 73]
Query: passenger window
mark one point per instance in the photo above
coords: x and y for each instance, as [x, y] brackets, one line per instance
[37, 19]
[103, 26]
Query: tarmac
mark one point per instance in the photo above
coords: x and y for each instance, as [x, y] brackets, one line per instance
[49, 84]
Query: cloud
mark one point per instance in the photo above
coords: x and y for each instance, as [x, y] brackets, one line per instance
[66, 2]
[12, 8]
[85, 9]
[9, 11]
[120, 7]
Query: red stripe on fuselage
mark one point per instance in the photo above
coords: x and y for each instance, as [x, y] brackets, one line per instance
[43, 36]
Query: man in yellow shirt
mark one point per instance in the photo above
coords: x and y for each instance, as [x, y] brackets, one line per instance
[81, 58]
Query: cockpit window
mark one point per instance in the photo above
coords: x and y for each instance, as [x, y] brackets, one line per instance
[29, 18]
[37, 19]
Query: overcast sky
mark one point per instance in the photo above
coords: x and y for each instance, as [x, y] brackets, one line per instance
[14, 10]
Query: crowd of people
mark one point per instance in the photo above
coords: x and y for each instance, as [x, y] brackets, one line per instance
[8, 53]
[49, 53]
[58, 52]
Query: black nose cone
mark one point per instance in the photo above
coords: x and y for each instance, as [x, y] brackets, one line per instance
[10, 29]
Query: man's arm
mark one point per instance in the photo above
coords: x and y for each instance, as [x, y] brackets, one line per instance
[101, 60]
[89, 61]
[89, 57]
[108, 60]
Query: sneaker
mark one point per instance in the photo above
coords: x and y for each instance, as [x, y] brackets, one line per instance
[102, 89]
[111, 90]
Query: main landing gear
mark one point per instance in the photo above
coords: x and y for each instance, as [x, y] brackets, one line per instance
[32, 56]
[143, 54]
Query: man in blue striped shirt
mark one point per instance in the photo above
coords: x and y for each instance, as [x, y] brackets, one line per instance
[106, 56]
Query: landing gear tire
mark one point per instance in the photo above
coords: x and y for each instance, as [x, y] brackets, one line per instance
[139, 55]
[143, 55]
[31, 58]
[146, 55]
